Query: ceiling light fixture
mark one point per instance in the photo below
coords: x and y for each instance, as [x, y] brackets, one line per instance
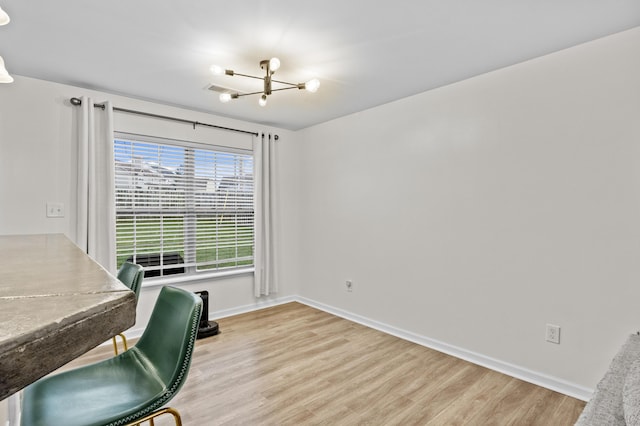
[4, 75]
[4, 18]
[270, 66]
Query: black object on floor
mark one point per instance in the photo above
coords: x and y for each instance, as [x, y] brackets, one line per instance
[206, 328]
[153, 259]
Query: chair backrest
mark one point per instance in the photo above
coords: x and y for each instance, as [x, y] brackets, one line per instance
[169, 338]
[131, 275]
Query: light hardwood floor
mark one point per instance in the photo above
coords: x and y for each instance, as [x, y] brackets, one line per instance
[295, 365]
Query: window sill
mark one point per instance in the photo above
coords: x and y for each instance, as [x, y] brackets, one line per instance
[192, 278]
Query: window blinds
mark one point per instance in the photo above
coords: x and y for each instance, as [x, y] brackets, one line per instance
[182, 209]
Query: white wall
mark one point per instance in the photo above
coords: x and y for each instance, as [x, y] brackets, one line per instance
[37, 128]
[477, 213]
[473, 214]
[37, 164]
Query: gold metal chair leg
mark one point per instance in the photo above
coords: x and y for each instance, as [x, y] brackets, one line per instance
[115, 343]
[166, 410]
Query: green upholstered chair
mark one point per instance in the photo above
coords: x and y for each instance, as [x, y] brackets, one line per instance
[129, 388]
[130, 275]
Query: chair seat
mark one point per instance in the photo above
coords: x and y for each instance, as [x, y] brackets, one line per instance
[130, 386]
[99, 394]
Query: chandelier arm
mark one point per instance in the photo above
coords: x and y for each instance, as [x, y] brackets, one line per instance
[284, 82]
[249, 76]
[252, 93]
[285, 88]
[262, 93]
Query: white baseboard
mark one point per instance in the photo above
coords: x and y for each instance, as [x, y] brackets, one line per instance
[539, 379]
[134, 333]
[260, 304]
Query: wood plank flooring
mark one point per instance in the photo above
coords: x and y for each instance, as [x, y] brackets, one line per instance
[295, 365]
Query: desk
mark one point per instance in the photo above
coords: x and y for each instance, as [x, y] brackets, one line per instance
[56, 303]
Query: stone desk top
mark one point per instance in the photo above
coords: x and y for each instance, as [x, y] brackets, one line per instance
[56, 303]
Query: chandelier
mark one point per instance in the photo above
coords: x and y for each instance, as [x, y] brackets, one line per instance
[270, 66]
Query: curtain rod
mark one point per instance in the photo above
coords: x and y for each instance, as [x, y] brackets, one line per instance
[78, 101]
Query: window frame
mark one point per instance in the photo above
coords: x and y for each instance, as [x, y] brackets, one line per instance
[191, 272]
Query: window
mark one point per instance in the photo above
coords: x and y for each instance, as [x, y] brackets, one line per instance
[182, 208]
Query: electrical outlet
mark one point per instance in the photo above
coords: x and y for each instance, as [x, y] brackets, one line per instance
[553, 333]
[55, 209]
[349, 285]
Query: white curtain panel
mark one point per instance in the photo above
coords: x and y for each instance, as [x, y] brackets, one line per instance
[264, 258]
[95, 232]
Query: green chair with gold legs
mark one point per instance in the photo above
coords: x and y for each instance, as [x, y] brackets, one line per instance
[130, 275]
[129, 388]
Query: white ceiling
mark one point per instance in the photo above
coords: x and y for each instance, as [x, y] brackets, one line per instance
[365, 53]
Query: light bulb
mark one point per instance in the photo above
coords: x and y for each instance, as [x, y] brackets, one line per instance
[312, 85]
[274, 64]
[4, 75]
[4, 18]
[216, 70]
[263, 100]
[225, 97]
